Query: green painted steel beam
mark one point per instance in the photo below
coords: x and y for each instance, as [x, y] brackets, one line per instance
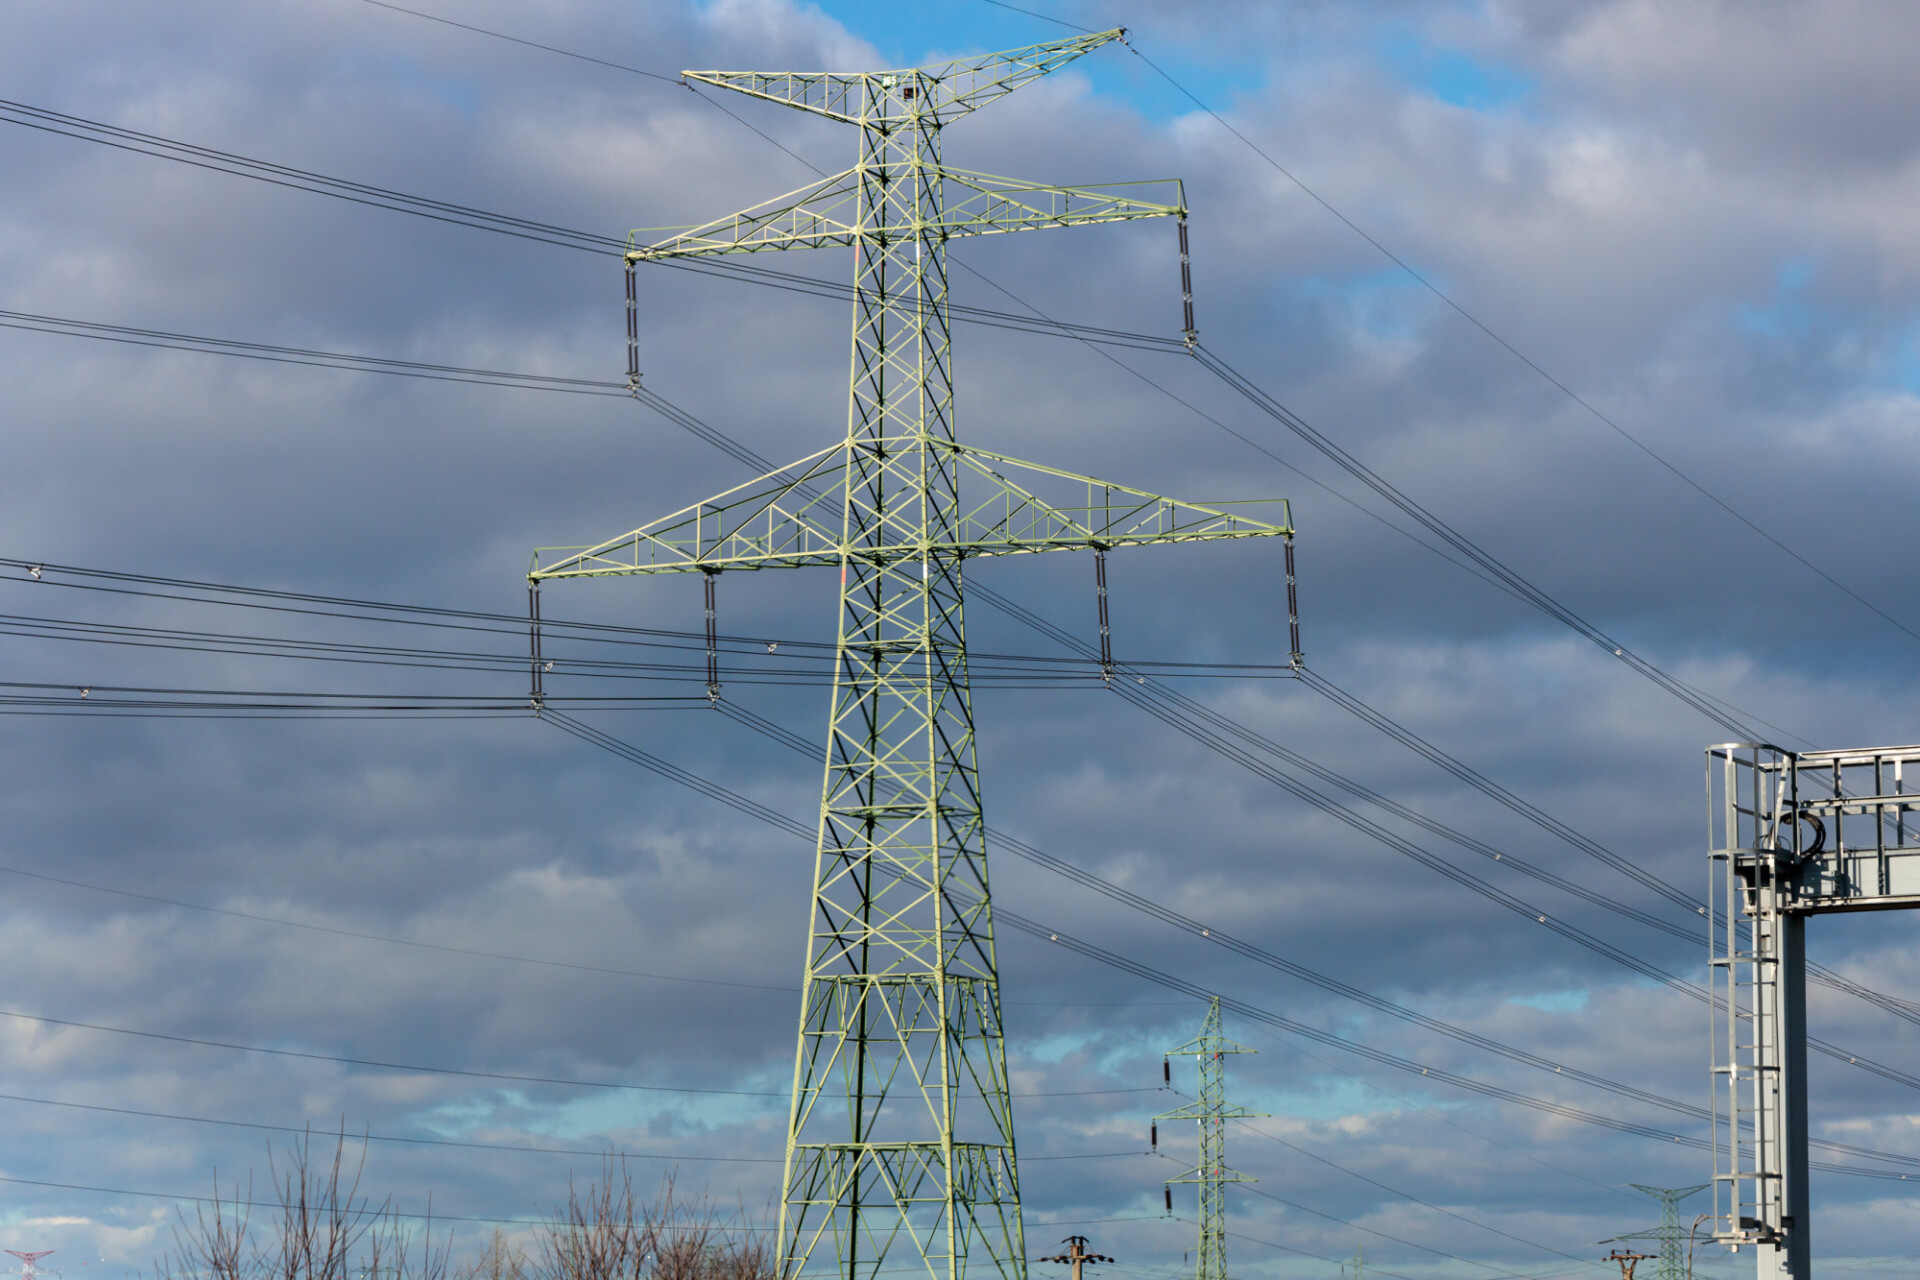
[900, 1150]
[793, 518]
[944, 92]
[828, 213]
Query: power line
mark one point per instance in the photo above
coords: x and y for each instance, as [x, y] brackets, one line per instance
[505, 1147]
[460, 1071]
[547, 48]
[993, 598]
[467, 215]
[1711, 707]
[385, 1065]
[603, 1152]
[793, 668]
[1336, 1262]
[1318, 800]
[66, 327]
[1384, 1235]
[370, 195]
[1528, 361]
[1221, 938]
[1406, 1195]
[1198, 992]
[719, 793]
[235, 1201]
[444, 948]
[1821, 973]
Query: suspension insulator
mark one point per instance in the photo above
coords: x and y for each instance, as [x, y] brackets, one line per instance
[1166, 1071]
[537, 695]
[713, 646]
[1100, 594]
[1296, 658]
[1169, 1190]
[1186, 290]
[1154, 1140]
[633, 331]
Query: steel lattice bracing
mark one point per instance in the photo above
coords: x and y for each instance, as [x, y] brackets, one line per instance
[1672, 1240]
[1210, 1112]
[901, 1135]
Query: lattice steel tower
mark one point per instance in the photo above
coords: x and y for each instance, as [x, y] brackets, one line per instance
[1210, 1110]
[901, 1124]
[1672, 1240]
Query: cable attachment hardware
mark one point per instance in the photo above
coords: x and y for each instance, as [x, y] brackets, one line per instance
[713, 643]
[1787, 837]
[1186, 290]
[537, 694]
[1295, 658]
[1100, 595]
[633, 331]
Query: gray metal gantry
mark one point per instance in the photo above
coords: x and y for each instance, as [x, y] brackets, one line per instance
[1790, 835]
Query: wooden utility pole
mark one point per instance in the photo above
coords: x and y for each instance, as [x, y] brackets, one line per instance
[1628, 1261]
[1076, 1255]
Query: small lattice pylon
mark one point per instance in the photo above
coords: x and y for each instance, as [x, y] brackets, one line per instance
[29, 1262]
[1211, 1112]
[1668, 1235]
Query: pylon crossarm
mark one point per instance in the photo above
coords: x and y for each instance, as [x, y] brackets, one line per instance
[823, 213]
[1194, 1048]
[984, 204]
[779, 519]
[971, 83]
[827, 213]
[791, 519]
[1013, 519]
[946, 91]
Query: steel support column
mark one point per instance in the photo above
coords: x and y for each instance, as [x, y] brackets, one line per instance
[1790, 835]
[900, 1139]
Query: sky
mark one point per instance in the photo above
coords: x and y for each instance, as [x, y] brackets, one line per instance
[1626, 294]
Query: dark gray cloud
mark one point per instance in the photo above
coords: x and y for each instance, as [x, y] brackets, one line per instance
[1697, 218]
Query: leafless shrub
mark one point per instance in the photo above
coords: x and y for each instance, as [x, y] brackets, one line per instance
[326, 1230]
[323, 1228]
[607, 1233]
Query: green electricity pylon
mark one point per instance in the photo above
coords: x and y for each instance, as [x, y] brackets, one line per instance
[1672, 1240]
[901, 1123]
[1210, 1110]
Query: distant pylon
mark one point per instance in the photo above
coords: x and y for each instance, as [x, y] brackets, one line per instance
[1210, 1110]
[28, 1261]
[1673, 1262]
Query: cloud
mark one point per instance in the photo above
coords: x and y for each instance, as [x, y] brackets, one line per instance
[1696, 219]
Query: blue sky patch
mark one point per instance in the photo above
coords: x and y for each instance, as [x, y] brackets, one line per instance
[907, 35]
[1453, 75]
[1554, 1001]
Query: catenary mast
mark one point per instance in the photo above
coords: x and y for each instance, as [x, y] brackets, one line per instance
[900, 1145]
